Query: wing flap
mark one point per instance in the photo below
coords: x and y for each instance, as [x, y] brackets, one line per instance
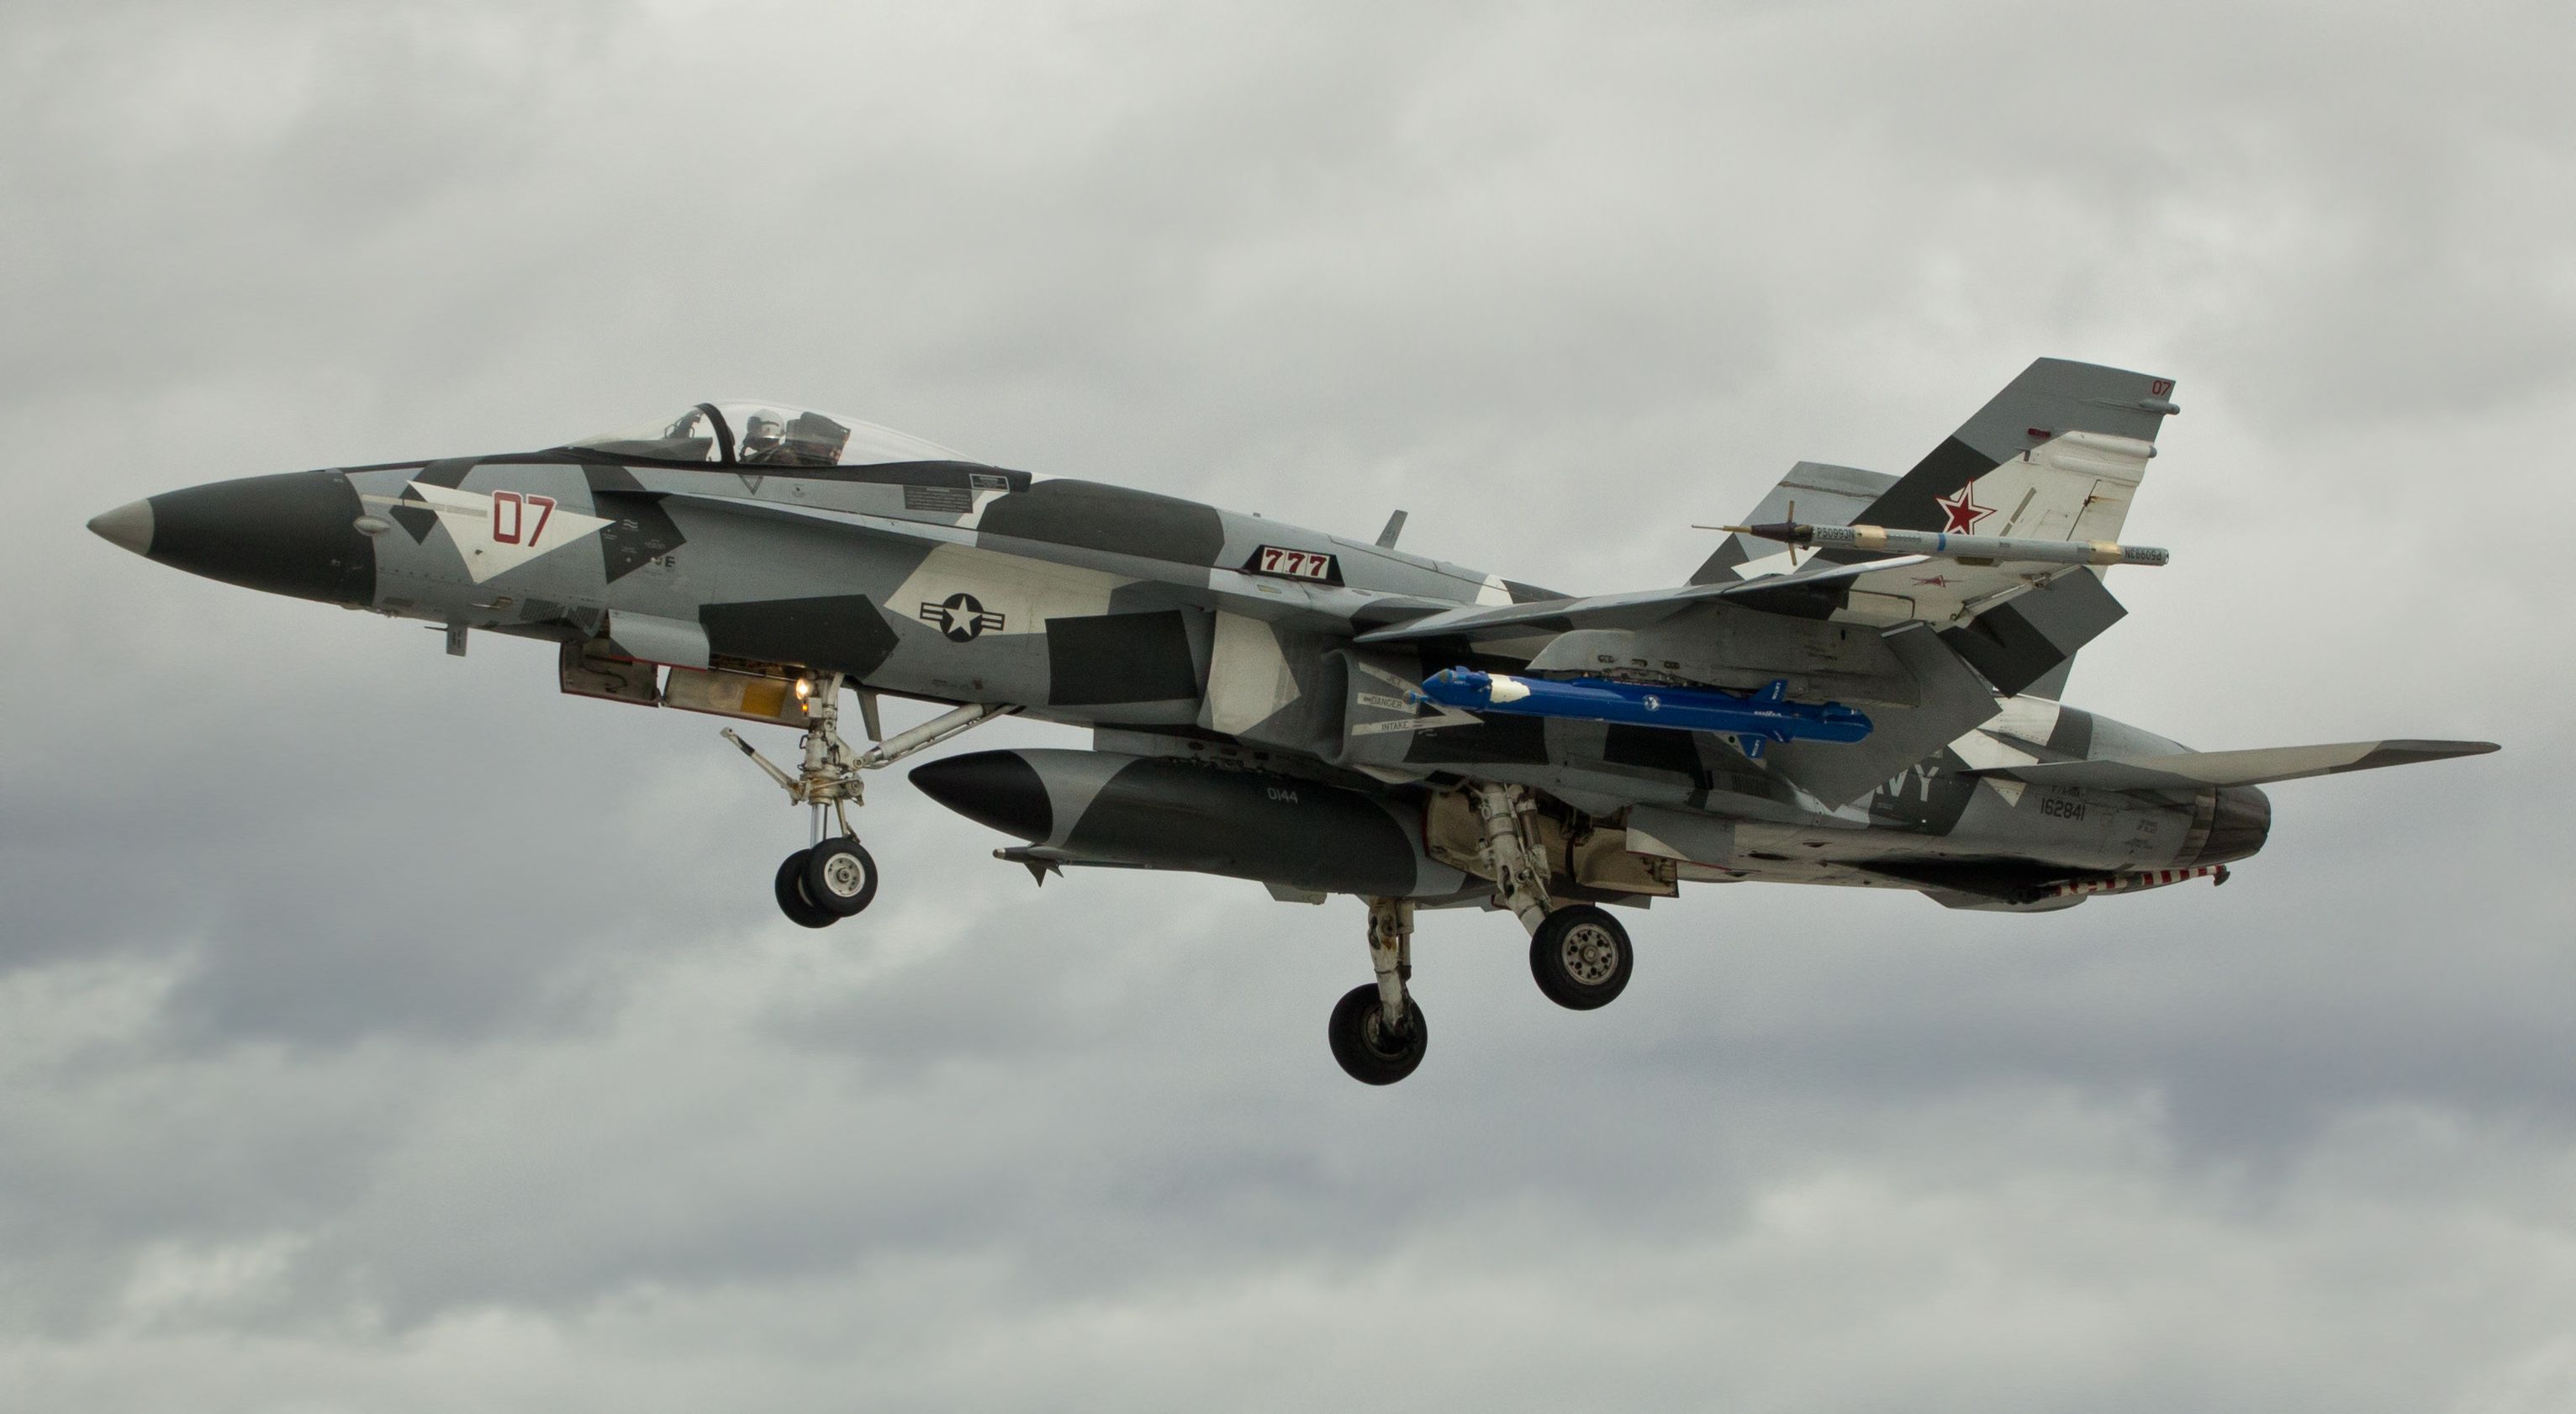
[2199, 770]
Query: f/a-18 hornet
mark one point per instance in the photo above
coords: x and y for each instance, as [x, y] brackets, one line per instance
[1859, 687]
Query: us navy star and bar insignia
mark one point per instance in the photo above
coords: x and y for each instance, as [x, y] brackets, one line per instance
[961, 617]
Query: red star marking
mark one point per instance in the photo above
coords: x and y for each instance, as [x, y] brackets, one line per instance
[1963, 510]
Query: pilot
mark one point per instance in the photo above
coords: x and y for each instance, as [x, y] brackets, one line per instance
[763, 439]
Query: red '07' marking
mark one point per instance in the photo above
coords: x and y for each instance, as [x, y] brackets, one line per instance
[518, 505]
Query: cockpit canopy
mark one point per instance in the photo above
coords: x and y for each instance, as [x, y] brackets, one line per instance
[766, 434]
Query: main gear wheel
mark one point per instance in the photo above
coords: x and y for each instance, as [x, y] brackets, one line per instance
[1372, 1053]
[1581, 957]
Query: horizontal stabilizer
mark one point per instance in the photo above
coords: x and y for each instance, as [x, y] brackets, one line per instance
[2198, 770]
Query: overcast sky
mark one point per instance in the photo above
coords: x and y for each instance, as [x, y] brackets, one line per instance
[383, 1031]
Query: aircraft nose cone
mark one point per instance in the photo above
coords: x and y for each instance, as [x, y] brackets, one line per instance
[291, 534]
[128, 527]
[995, 788]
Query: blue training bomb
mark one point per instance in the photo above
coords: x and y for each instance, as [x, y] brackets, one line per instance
[1751, 719]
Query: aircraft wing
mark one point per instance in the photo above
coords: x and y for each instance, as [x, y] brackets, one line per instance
[1823, 630]
[1546, 616]
[2198, 770]
[1879, 594]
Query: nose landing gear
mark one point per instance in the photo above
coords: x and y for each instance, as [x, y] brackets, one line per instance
[835, 878]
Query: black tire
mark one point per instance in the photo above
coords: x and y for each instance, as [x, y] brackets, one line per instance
[1581, 957]
[1361, 1045]
[839, 877]
[791, 895]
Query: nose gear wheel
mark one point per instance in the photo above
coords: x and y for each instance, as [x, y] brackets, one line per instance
[836, 878]
[791, 894]
[839, 877]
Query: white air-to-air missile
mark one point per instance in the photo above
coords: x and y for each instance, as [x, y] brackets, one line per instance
[1968, 549]
[1331, 716]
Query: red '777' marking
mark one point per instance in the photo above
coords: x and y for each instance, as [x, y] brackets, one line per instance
[518, 505]
[1305, 564]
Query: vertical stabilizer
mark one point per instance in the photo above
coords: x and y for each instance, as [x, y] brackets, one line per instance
[2057, 455]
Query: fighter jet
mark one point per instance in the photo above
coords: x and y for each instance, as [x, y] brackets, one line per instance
[1860, 687]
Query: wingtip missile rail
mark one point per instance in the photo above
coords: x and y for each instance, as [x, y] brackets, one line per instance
[1751, 719]
[1941, 545]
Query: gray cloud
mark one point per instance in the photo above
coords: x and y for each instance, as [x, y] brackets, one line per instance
[380, 1030]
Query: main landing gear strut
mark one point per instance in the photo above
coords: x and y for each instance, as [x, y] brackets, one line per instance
[1579, 954]
[1377, 1030]
[835, 878]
